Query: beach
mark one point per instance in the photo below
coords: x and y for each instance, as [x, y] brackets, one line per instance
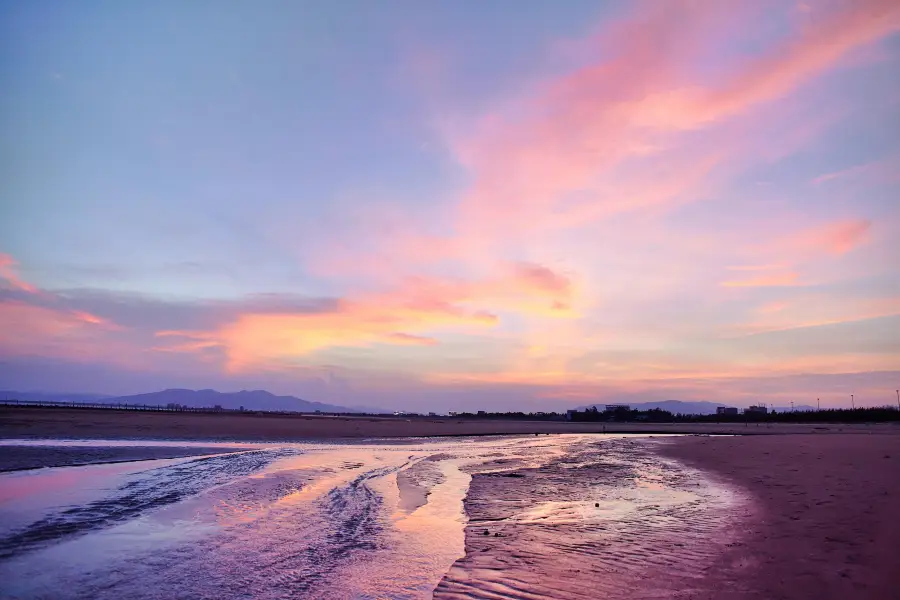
[790, 512]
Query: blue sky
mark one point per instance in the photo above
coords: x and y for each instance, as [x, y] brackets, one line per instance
[453, 203]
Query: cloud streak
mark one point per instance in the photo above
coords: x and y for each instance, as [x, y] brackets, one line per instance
[9, 273]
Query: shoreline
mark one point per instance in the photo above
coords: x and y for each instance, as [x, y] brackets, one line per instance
[111, 424]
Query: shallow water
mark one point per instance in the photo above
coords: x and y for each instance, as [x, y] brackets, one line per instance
[382, 519]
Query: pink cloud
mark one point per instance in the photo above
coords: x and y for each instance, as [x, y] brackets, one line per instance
[9, 273]
[836, 238]
[819, 47]
[578, 134]
[38, 330]
[412, 340]
[849, 172]
[543, 278]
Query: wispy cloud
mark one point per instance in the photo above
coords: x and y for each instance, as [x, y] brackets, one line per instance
[769, 280]
[9, 273]
[836, 238]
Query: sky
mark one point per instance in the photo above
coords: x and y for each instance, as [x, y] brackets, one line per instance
[453, 205]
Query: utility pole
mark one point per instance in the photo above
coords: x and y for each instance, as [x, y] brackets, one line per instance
[818, 406]
[898, 399]
[792, 406]
[852, 403]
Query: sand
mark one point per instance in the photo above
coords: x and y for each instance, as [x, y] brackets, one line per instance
[62, 423]
[826, 523]
[803, 517]
[821, 518]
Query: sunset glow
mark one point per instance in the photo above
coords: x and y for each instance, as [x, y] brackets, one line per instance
[415, 208]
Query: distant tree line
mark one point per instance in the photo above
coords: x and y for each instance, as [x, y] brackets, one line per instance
[879, 414]
[622, 414]
[523, 416]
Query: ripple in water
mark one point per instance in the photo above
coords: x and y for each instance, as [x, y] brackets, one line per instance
[552, 517]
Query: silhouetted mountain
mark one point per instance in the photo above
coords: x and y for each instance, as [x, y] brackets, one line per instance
[251, 400]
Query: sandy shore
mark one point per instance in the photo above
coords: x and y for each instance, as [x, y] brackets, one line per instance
[827, 525]
[820, 518]
[60, 423]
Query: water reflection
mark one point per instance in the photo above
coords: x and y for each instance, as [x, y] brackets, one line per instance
[370, 520]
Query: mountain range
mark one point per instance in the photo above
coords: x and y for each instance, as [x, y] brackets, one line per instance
[251, 400]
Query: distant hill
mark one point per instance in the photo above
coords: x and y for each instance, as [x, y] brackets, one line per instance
[251, 400]
[690, 408]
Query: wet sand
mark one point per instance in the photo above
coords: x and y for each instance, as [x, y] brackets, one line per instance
[21, 458]
[607, 520]
[60, 423]
[826, 525]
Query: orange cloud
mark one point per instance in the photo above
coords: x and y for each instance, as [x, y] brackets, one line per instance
[8, 272]
[412, 340]
[400, 317]
[772, 280]
[93, 319]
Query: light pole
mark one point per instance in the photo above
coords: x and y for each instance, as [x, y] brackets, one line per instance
[898, 399]
[852, 403]
[818, 405]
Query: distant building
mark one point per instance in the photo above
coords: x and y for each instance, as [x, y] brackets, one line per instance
[726, 410]
[756, 410]
[481, 413]
[570, 414]
[431, 414]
